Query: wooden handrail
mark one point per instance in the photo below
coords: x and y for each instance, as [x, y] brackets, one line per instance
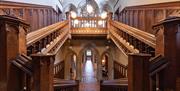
[122, 43]
[145, 37]
[92, 22]
[48, 39]
[41, 33]
[90, 18]
[57, 43]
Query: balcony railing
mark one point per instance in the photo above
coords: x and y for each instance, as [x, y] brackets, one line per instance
[82, 25]
[82, 22]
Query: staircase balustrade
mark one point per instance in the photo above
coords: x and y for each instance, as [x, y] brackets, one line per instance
[93, 25]
[92, 22]
[120, 70]
[59, 70]
[134, 40]
[46, 39]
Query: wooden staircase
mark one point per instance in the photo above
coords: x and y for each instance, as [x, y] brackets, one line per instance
[45, 42]
[24, 63]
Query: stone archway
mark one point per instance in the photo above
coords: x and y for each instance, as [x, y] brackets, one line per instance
[109, 63]
[96, 59]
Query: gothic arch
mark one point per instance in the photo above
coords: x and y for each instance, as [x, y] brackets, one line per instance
[107, 7]
[92, 47]
[110, 62]
[70, 7]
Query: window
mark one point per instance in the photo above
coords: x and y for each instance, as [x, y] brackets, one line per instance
[88, 53]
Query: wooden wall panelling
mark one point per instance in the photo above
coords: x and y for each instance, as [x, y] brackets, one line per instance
[35, 19]
[131, 18]
[149, 15]
[40, 17]
[120, 14]
[52, 12]
[149, 20]
[158, 15]
[135, 19]
[31, 19]
[55, 18]
[141, 23]
[20, 10]
[46, 17]
[50, 15]
[43, 19]
[124, 17]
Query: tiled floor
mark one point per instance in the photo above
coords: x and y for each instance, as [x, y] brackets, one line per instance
[89, 81]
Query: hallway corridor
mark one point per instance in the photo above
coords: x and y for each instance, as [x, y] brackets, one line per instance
[89, 81]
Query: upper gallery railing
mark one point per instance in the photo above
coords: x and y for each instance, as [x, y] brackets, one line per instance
[92, 25]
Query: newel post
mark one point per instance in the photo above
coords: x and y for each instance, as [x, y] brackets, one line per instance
[12, 43]
[168, 31]
[138, 72]
[43, 72]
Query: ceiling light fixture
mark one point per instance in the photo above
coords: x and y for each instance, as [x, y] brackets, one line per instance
[100, 22]
[89, 8]
[73, 14]
[76, 21]
[104, 15]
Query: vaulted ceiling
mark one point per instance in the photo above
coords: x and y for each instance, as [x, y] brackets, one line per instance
[101, 3]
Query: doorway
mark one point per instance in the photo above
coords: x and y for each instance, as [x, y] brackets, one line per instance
[89, 70]
[104, 65]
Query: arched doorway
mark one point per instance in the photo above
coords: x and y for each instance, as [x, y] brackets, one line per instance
[89, 65]
[107, 65]
[104, 65]
[89, 57]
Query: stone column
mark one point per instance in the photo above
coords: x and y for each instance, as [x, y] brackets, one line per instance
[138, 72]
[13, 42]
[43, 72]
[99, 68]
[169, 30]
[79, 67]
[67, 68]
[110, 67]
